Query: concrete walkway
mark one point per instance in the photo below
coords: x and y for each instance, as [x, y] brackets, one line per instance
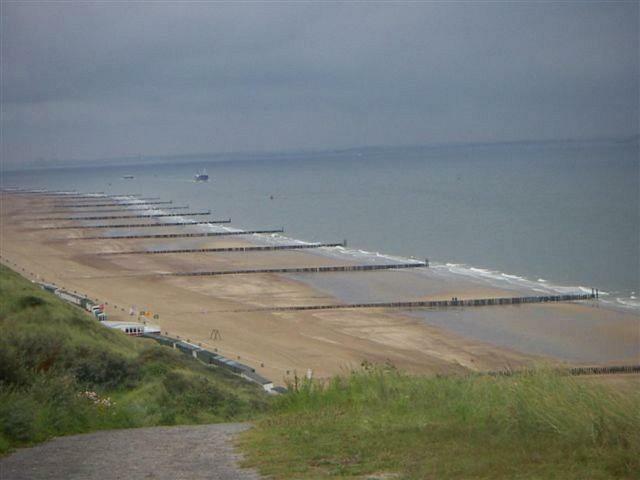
[159, 453]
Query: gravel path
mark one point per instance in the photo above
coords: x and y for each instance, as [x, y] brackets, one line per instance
[159, 453]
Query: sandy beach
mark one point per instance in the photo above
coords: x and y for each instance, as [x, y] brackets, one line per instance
[278, 344]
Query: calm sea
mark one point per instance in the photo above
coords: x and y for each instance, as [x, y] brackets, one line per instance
[545, 215]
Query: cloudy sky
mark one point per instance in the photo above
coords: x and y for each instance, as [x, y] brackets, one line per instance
[105, 79]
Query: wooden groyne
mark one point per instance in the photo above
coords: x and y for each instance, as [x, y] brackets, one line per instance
[137, 225]
[476, 302]
[183, 235]
[593, 370]
[115, 217]
[89, 196]
[57, 202]
[262, 248]
[114, 204]
[96, 196]
[56, 199]
[108, 210]
[66, 201]
[324, 269]
[79, 197]
[63, 194]
[615, 369]
[39, 191]
[57, 194]
[150, 199]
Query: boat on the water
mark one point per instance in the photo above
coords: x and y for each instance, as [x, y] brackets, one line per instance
[128, 177]
[202, 176]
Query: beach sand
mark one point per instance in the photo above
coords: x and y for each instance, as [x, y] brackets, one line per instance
[277, 344]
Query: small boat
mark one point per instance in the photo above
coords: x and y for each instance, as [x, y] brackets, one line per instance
[128, 177]
[202, 176]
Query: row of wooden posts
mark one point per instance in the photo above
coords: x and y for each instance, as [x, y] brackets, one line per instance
[254, 248]
[111, 204]
[115, 217]
[454, 302]
[136, 225]
[322, 269]
[474, 302]
[184, 235]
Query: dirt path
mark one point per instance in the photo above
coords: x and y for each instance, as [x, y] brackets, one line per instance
[160, 453]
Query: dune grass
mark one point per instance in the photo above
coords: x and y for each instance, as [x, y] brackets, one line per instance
[380, 423]
[61, 372]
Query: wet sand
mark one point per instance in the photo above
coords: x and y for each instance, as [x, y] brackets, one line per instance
[582, 332]
[579, 333]
[278, 344]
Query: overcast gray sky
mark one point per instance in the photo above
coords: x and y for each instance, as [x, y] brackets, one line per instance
[104, 79]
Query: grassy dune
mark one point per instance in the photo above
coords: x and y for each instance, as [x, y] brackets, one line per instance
[379, 423]
[61, 372]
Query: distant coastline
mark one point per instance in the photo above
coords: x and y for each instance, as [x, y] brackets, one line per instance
[206, 157]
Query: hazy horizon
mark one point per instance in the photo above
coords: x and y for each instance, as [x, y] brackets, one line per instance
[213, 157]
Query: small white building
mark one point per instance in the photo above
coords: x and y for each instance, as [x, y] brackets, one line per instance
[132, 328]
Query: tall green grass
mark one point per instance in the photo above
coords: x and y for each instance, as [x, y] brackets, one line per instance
[61, 372]
[380, 421]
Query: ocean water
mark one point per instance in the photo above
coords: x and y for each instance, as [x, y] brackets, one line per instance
[531, 217]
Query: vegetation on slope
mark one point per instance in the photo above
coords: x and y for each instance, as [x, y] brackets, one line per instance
[61, 372]
[379, 423]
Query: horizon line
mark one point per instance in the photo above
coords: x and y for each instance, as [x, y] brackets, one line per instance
[150, 158]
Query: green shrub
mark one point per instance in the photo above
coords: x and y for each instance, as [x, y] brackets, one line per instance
[17, 417]
[11, 369]
[60, 409]
[189, 394]
[61, 372]
[30, 301]
[103, 369]
[156, 361]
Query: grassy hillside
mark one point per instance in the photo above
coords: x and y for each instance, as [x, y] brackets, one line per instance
[61, 372]
[379, 423]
